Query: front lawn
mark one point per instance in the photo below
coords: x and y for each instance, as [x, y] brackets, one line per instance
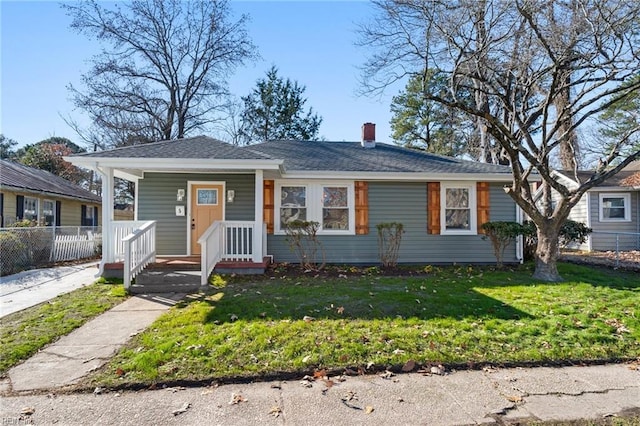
[451, 315]
[23, 333]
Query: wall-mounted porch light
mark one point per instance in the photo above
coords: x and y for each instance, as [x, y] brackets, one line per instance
[231, 195]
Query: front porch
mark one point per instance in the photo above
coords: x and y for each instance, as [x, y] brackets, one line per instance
[180, 274]
[225, 247]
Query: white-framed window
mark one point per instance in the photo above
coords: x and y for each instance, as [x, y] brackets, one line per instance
[458, 213]
[615, 207]
[49, 212]
[30, 209]
[331, 204]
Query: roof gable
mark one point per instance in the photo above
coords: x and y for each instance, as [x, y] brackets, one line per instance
[18, 176]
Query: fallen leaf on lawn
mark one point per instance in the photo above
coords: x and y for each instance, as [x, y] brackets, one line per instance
[368, 409]
[119, 372]
[233, 317]
[275, 411]
[514, 398]
[182, 409]
[398, 352]
[236, 399]
[306, 359]
[340, 310]
[409, 366]
[27, 411]
[344, 358]
[307, 318]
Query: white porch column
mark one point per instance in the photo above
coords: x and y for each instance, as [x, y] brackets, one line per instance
[257, 230]
[108, 245]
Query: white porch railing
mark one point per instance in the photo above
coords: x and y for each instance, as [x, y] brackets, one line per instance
[120, 230]
[139, 250]
[231, 241]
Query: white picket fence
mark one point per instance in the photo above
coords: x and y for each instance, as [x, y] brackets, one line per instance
[72, 247]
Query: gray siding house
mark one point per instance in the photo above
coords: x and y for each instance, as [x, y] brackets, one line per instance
[187, 186]
[611, 210]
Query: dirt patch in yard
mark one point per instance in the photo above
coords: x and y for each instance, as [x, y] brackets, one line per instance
[627, 260]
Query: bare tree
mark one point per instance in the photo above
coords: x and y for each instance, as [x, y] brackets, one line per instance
[526, 67]
[164, 66]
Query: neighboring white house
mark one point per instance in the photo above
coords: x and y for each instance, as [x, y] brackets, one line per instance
[611, 209]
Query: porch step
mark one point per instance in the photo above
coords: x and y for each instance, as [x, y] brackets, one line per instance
[166, 281]
[242, 267]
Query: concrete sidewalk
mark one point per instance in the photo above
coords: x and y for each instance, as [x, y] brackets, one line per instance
[29, 288]
[502, 396]
[72, 357]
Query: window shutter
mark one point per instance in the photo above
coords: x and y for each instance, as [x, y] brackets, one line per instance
[268, 204]
[433, 207]
[58, 213]
[95, 216]
[1, 210]
[362, 207]
[19, 207]
[83, 215]
[482, 200]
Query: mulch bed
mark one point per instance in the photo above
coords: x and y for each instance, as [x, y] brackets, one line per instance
[626, 260]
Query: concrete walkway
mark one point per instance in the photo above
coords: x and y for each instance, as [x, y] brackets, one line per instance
[66, 361]
[29, 288]
[503, 396]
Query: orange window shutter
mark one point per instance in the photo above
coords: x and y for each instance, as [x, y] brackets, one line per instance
[482, 196]
[433, 207]
[362, 207]
[268, 204]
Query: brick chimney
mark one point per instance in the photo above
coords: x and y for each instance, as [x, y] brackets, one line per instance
[368, 135]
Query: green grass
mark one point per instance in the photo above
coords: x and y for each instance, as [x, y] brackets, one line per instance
[454, 315]
[23, 333]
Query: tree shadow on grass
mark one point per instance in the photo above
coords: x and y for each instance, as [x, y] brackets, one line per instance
[352, 300]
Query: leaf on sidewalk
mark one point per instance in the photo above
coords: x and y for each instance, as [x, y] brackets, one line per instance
[236, 399]
[275, 411]
[182, 409]
[368, 409]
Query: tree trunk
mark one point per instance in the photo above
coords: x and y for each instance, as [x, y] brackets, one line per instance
[547, 255]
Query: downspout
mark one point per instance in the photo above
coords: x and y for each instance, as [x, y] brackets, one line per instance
[588, 224]
[520, 238]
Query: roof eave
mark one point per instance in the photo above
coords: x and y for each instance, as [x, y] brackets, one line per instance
[397, 176]
[49, 193]
[174, 163]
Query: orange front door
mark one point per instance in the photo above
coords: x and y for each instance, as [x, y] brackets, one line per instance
[207, 202]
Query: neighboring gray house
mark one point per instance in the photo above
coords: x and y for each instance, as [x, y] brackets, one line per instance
[348, 187]
[612, 210]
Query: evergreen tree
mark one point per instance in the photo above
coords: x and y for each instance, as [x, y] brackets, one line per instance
[275, 109]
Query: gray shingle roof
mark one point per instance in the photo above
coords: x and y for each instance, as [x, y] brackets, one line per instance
[352, 157]
[619, 179]
[309, 156]
[196, 147]
[19, 176]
